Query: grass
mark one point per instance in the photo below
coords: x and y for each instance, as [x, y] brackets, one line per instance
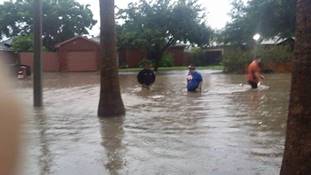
[175, 68]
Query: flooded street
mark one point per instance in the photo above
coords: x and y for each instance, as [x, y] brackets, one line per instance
[228, 129]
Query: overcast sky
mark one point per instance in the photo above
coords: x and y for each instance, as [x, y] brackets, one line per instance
[216, 10]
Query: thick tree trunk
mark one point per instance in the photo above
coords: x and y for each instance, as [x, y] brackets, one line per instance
[158, 53]
[297, 155]
[110, 102]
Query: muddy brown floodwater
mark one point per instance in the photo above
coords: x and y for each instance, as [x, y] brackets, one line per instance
[228, 129]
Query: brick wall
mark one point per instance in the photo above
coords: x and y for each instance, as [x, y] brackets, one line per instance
[50, 60]
[132, 57]
[89, 53]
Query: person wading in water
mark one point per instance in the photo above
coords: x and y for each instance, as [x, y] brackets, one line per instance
[194, 79]
[254, 76]
[146, 77]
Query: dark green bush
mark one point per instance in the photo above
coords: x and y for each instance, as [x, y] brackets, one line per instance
[22, 44]
[143, 62]
[277, 54]
[206, 57]
[198, 56]
[235, 60]
[166, 61]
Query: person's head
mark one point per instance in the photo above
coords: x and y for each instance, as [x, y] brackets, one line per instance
[147, 65]
[191, 68]
[257, 59]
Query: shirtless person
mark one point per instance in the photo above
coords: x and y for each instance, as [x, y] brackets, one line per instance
[254, 76]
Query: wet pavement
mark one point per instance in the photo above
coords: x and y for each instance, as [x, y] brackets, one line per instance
[227, 129]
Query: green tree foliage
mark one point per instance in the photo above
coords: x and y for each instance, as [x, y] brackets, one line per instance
[236, 59]
[62, 19]
[270, 18]
[157, 25]
[22, 43]
[166, 60]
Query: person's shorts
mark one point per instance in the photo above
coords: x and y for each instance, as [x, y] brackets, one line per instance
[253, 84]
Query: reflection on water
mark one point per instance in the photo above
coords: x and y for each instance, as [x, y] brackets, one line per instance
[112, 136]
[228, 128]
[44, 157]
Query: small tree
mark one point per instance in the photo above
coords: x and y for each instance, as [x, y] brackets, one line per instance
[157, 25]
[62, 19]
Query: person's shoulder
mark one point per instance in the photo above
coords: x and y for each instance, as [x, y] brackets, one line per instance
[253, 64]
[149, 71]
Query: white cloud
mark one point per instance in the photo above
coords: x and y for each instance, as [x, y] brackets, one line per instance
[216, 10]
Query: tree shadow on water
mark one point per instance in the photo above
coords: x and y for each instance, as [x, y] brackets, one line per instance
[112, 134]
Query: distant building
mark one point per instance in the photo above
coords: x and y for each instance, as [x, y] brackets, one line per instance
[78, 54]
[131, 57]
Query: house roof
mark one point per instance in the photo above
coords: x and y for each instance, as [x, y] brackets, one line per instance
[275, 41]
[73, 39]
[8, 42]
[96, 39]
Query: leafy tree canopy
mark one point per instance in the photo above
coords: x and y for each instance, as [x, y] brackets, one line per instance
[62, 19]
[22, 43]
[270, 18]
[156, 25]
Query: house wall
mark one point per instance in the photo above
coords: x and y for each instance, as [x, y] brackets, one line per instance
[81, 54]
[132, 56]
[188, 58]
[50, 62]
[279, 67]
[214, 56]
[178, 55]
[87, 60]
[8, 57]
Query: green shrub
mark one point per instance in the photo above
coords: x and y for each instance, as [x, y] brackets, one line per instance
[166, 61]
[198, 56]
[22, 44]
[206, 57]
[234, 60]
[143, 62]
[277, 54]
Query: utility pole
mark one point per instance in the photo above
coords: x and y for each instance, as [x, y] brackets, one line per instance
[37, 66]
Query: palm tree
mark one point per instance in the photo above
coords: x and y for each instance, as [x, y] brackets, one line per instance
[110, 102]
[297, 155]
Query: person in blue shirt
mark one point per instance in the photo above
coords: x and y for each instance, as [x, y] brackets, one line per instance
[194, 79]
